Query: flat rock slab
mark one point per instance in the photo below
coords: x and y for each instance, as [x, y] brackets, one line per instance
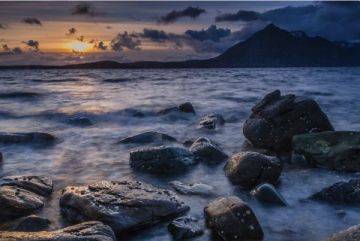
[351, 234]
[30, 137]
[16, 202]
[193, 188]
[336, 150]
[147, 137]
[340, 192]
[41, 185]
[30, 223]
[88, 231]
[122, 205]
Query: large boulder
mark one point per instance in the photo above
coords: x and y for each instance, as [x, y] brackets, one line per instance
[337, 150]
[88, 231]
[248, 169]
[122, 205]
[31, 223]
[147, 137]
[185, 228]
[232, 219]
[276, 119]
[207, 151]
[211, 121]
[340, 192]
[162, 159]
[186, 107]
[16, 202]
[41, 185]
[193, 188]
[350, 234]
[268, 194]
[30, 137]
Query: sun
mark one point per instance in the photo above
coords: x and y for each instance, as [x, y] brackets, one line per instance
[79, 46]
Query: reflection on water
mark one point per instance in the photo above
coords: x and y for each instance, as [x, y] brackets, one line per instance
[113, 99]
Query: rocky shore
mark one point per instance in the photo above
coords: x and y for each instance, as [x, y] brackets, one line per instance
[282, 130]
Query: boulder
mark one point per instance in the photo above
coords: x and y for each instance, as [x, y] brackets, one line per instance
[30, 223]
[207, 151]
[211, 121]
[122, 205]
[351, 234]
[249, 169]
[182, 108]
[162, 159]
[267, 193]
[147, 137]
[336, 150]
[340, 192]
[185, 228]
[17, 202]
[192, 189]
[80, 121]
[41, 185]
[88, 231]
[232, 219]
[276, 119]
[31, 137]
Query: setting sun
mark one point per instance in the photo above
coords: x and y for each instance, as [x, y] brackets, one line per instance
[79, 46]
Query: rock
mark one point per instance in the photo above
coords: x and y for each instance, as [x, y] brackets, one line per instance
[336, 150]
[80, 121]
[122, 205]
[88, 231]
[351, 234]
[40, 185]
[17, 202]
[276, 119]
[162, 159]
[232, 219]
[31, 137]
[30, 223]
[1, 157]
[340, 192]
[192, 189]
[184, 108]
[147, 137]
[207, 151]
[211, 121]
[184, 228]
[249, 169]
[268, 194]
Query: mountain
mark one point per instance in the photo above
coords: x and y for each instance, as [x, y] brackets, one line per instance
[270, 47]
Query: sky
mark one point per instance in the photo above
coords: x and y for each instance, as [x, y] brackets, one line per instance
[56, 33]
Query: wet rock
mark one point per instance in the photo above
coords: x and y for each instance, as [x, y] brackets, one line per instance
[31, 137]
[249, 169]
[351, 234]
[184, 228]
[148, 137]
[337, 150]
[192, 189]
[267, 193]
[1, 157]
[232, 219]
[15, 94]
[340, 192]
[30, 223]
[80, 121]
[122, 205]
[17, 202]
[211, 121]
[207, 151]
[162, 159]
[276, 119]
[41, 185]
[94, 231]
[186, 107]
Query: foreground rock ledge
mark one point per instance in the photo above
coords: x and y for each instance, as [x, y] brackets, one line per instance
[232, 219]
[41, 185]
[351, 234]
[122, 205]
[88, 231]
[30, 137]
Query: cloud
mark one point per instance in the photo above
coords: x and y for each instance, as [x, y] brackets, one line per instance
[5, 47]
[100, 45]
[3, 26]
[81, 38]
[241, 15]
[87, 9]
[155, 35]
[7, 50]
[125, 41]
[211, 33]
[32, 44]
[174, 15]
[72, 31]
[32, 21]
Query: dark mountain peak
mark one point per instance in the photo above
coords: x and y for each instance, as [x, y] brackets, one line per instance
[271, 33]
[299, 34]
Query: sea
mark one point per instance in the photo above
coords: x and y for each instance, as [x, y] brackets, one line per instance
[122, 103]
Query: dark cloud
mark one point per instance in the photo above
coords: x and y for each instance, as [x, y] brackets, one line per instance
[108, 27]
[7, 50]
[155, 35]
[32, 44]
[87, 9]
[81, 38]
[3, 26]
[32, 21]
[5, 47]
[100, 45]
[174, 15]
[72, 31]
[125, 41]
[241, 15]
[211, 33]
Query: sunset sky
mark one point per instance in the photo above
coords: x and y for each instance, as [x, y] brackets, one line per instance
[73, 32]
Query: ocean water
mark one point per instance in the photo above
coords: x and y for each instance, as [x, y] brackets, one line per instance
[110, 97]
